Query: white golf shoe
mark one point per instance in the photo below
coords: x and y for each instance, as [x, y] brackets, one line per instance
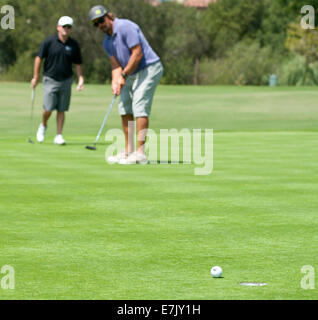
[59, 140]
[135, 158]
[118, 157]
[40, 135]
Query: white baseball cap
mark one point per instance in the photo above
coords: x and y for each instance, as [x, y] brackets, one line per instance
[65, 21]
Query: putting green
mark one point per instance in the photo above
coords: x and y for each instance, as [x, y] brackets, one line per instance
[74, 227]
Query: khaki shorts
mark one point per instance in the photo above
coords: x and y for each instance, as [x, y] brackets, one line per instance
[137, 95]
[56, 94]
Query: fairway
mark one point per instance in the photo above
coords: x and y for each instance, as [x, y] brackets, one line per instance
[75, 227]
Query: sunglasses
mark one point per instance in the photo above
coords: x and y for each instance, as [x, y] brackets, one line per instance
[98, 21]
[67, 27]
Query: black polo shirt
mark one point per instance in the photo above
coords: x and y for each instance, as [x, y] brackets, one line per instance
[59, 57]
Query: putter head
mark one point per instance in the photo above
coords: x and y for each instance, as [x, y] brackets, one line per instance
[90, 148]
[30, 141]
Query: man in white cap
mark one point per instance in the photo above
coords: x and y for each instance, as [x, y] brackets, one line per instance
[59, 53]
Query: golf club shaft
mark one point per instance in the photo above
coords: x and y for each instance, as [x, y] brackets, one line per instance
[32, 108]
[105, 119]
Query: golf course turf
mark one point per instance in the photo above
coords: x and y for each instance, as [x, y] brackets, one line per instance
[75, 227]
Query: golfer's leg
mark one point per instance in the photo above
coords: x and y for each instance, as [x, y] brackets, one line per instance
[128, 132]
[60, 118]
[126, 113]
[142, 128]
[148, 79]
[45, 117]
[63, 103]
[49, 98]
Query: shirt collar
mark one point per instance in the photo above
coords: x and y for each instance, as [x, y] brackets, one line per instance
[115, 27]
[58, 39]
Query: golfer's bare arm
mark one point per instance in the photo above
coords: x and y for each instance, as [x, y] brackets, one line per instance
[79, 72]
[135, 58]
[116, 69]
[117, 80]
[36, 71]
[116, 75]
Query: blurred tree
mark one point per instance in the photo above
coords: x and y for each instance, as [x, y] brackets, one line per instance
[304, 43]
[247, 63]
[293, 7]
[273, 27]
[185, 44]
[229, 21]
[181, 36]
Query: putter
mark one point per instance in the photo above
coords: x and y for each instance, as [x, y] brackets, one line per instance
[31, 116]
[103, 124]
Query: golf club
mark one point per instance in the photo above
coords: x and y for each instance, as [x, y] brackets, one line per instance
[103, 124]
[31, 116]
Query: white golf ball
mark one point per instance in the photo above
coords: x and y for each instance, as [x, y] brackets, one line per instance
[216, 272]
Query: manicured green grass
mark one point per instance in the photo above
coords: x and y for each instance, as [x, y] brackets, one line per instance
[74, 227]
